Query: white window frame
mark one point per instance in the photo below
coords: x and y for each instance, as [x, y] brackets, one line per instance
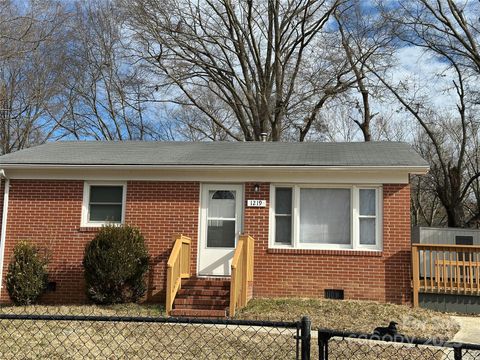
[86, 201]
[354, 218]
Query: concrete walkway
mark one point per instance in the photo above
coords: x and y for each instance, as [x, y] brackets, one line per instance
[469, 329]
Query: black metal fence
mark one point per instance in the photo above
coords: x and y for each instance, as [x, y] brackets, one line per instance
[335, 345]
[63, 333]
[60, 336]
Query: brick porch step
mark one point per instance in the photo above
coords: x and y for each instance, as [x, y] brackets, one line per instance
[204, 313]
[202, 283]
[202, 292]
[202, 298]
[212, 301]
[201, 307]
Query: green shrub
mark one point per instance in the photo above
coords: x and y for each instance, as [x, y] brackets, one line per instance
[115, 264]
[27, 275]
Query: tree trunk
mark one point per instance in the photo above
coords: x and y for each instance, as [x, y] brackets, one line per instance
[365, 127]
[455, 216]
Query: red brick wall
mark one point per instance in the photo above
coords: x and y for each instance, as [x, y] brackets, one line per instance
[49, 213]
[377, 276]
[161, 209]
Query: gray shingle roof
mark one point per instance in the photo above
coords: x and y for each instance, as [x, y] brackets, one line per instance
[216, 153]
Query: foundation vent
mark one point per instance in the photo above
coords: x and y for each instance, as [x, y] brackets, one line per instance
[336, 294]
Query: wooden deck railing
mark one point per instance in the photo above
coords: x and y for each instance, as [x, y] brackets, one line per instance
[178, 268]
[447, 269]
[242, 273]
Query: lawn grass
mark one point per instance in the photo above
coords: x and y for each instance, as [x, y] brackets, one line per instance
[142, 310]
[355, 316]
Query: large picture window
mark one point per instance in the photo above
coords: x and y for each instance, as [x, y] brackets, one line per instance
[103, 204]
[309, 217]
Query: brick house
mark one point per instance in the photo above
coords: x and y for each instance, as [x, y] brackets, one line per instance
[322, 215]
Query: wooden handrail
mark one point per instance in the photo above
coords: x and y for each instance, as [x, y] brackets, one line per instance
[448, 269]
[178, 268]
[447, 247]
[242, 273]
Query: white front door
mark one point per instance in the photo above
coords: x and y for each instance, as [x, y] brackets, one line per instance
[220, 225]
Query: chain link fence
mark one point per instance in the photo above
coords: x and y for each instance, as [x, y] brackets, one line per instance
[335, 345]
[131, 332]
[50, 333]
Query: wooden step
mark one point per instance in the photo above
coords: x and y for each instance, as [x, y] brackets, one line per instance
[204, 313]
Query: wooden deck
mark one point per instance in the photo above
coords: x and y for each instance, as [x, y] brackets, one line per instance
[445, 269]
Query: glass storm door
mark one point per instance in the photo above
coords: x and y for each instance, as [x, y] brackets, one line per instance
[221, 222]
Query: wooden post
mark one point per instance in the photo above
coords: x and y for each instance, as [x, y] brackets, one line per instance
[168, 302]
[415, 274]
[246, 261]
[233, 285]
[251, 249]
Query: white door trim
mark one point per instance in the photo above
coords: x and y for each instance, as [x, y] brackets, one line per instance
[202, 228]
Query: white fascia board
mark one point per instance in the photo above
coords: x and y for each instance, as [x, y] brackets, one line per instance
[409, 169]
[311, 175]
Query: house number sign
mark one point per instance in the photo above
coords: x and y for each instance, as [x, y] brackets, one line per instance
[256, 203]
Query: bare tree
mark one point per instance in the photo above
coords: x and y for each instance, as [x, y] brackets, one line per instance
[193, 125]
[449, 32]
[426, 209]
[267, 61]
[366, 40]
[108, 96]
[32, 54]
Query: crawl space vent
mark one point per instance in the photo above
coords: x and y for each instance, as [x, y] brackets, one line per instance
[52, 286]
[335, 294]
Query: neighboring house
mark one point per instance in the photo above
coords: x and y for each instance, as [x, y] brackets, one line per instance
[323, 215]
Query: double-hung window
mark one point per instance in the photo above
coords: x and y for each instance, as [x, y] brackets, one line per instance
[314, 217]
[367, 217]
[283, 215]
[103, 204]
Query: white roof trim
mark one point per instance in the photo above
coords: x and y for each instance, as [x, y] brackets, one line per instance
[409, 169]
